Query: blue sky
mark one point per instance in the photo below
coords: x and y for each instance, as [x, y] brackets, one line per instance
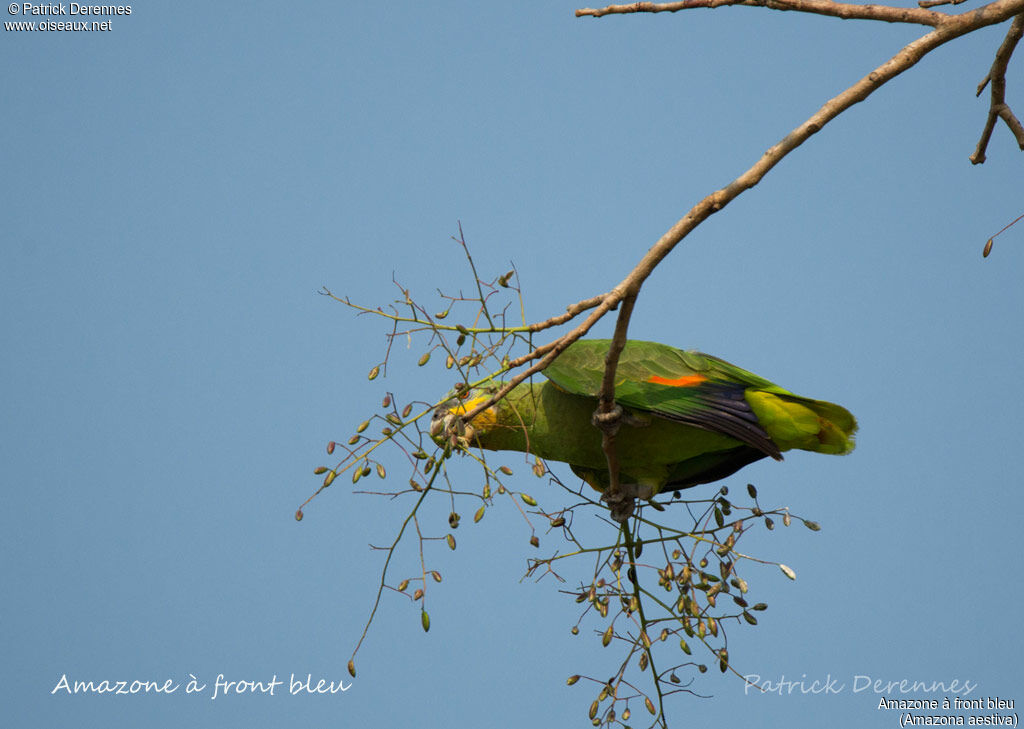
[176, 191]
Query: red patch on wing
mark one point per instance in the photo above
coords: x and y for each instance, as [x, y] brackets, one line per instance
[685, 381]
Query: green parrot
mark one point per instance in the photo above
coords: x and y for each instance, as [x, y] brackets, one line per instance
[688, 418]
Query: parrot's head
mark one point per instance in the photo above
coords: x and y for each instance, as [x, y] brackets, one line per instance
[448, 426]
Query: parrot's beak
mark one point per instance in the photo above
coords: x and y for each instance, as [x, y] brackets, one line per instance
[447, 423]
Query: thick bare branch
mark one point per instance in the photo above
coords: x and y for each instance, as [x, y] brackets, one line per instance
[998, 108]
[847, 11]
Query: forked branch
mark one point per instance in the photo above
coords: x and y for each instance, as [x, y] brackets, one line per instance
[998, 108]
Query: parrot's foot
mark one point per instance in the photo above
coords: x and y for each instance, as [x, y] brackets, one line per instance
[608, 422]
[621, 507]
[623, 501]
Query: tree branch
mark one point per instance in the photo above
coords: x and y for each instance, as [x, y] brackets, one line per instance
[846, 11]
[998, 107]
[609, 415]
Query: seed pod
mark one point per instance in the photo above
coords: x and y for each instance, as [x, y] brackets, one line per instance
[436, 575]
[685, 646]
[987, 249]
[787, 571]
[723, 660]
[366, 470]
[761, 606]
[357, 473]
[386, 402]
[643, 662]
[373, 373]
[785, 519]
[575, 630]
[606, 637]
[626, 714]
[673, 678]
[402, 585]
[298, 515]
[749, 618]
[451, 542]
[415, 485]
[449, 362]
[441, 314]
[329, 478]
[453, 520]
[713, 626]
[645, 639]
[506, 470]
[534, 541]
[769, 523]
[381, 473]
[425, 621]
[751, 490]
[593, 709]
[558, 521]
[479, 514]
[353, 440]
[812, 525]
[330, 447]
[650, 706]
[407, 410]
[363, 426]
[352, 668]
[528, 500]
[319, 470]
[418, 594]
[424, 359]
[572, 679]
[664, 635]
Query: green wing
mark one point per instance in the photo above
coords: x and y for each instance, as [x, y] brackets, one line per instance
[709, 393]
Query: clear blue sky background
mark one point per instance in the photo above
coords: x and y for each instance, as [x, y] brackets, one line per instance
[176, 190]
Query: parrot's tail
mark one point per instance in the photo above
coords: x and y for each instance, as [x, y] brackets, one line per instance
[798, 422]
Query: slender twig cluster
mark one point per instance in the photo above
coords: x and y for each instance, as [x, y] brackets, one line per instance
[688, 587]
